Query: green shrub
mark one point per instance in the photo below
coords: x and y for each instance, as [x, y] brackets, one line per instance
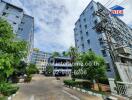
[3, 98]
[82, 84]
[7, 89]
[28, 78]
[86, 84]
[104, 81]
[70, 82]
[15, 79]
[32, 69]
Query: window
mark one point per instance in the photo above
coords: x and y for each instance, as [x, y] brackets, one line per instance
[82, 38]
[84, 19]
[87, 33]
[17, 16]
[80, 26]
[93, 14]
[22, 22]
[4, 13]
[108, 67]
[83, 46]
[85, 26]
[95, 22]
[101, 41]
[20, 29]
[7, 7]
[104, 53]
[80, 32]
[14, 23]
[91, 7]
[88, 41]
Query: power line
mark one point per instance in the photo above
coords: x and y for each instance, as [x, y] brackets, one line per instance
[110, 3]
[122, 2]
[107, 2]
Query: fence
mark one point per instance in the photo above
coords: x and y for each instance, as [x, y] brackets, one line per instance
[124, 89]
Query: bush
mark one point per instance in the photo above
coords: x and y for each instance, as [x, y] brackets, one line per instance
[70, 82]
[81, 84]
[104, 81]
[32, 69]
[7, 89]
[28, 78]
[3, 98]
[15, 79]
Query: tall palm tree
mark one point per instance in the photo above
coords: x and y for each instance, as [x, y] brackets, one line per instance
[73, 55]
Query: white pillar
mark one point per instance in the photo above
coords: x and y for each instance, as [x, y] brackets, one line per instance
[112, 85]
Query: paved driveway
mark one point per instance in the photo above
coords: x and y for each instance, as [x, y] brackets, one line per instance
[48, 88]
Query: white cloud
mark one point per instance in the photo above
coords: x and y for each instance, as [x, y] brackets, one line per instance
[55, 19]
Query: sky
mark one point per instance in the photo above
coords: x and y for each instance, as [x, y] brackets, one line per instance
[54, 20]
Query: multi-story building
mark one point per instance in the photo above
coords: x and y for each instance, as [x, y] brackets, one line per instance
[61, 65]
[87, 37]
[22, 24]
[40, 59]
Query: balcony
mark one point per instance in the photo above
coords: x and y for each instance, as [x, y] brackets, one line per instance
[124, 50]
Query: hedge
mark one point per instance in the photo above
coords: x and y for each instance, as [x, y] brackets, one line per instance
[7, 89]
[104, 81]
[84, 84]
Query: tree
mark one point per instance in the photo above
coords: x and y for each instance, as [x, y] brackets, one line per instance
[73, 55]
[65, 54]
[49, 70]
[93, 65]
[55, 54]
[11, 50]
[32, 69]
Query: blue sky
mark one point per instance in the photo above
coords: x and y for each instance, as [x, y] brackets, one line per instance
[54, 20]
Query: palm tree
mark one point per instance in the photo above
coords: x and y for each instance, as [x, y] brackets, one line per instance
[73, 55]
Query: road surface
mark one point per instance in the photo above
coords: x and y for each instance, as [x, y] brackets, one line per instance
[48, 88]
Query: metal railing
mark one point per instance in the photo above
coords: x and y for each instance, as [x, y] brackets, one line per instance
[124, 89]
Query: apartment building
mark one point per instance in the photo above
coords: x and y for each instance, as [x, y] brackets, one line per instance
[22, 24]
[88, 38]
[40, 59]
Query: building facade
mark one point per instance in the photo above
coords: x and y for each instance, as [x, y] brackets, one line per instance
[40, 59]
[87, 38]
[61, 65]
[22, 24]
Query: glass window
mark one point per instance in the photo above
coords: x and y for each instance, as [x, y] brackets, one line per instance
[17, 16]
[91, 7]
[88, 41]
[80, 32]
[104, 53]
[85, 26]
[95, 22]
[82, 38]
[14, 22]
[87, 33]
[84, 19]
[108, 67]
[4, 13]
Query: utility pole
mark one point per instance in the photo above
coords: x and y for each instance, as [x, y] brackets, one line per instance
[105, 26]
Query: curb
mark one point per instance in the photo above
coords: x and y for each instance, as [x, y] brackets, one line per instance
[87, 92]
[10, 97]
